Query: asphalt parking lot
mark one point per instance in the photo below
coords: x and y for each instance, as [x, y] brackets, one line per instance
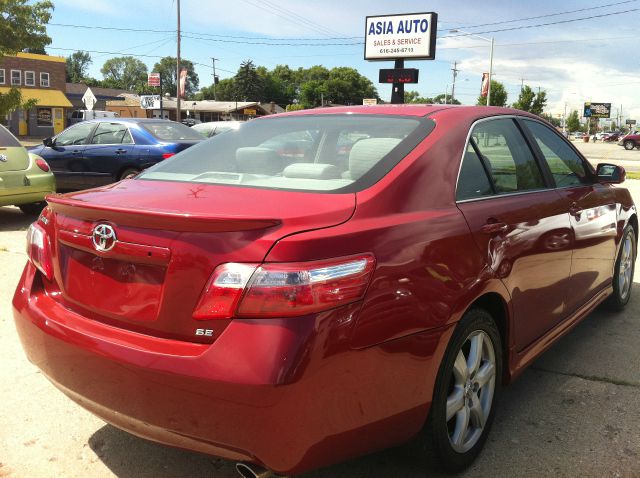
[575, 412]
[600, 152]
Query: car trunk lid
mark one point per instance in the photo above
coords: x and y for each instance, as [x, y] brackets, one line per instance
[170, 236]
[13, 159]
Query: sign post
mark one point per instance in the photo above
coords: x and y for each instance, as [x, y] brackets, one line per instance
[400, 37]
[155, 79]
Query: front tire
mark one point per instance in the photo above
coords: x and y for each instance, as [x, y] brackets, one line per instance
[466, 390]
[629, 145]
[623, 271]
[128, 174]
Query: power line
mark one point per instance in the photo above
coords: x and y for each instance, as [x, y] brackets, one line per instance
[360, 43]
[544, 16]
[524, 27]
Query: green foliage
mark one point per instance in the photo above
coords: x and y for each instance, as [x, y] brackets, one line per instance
[77, 66]
[294, 107]
[414, 97]
[248, 83]
[498, 95]
[282, 85]
[573, 121]
[530, 101]
[554, 120]
[124, 72]
[167, 68]
[23, 25]
[12, 101]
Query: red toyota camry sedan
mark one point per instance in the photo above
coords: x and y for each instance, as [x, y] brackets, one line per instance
[318, 285]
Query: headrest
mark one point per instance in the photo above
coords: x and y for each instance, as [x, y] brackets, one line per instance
[255, 160]
[366, 153]
[312, 171]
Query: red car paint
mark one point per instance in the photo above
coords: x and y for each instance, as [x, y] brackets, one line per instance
[114, 330]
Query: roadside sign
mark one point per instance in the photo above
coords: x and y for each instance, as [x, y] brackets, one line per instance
[597, 110]
[401, 36]
[153, 79]
[630, 122]
[369, 101]
[249, 112]
[150, 102]
[398, 75]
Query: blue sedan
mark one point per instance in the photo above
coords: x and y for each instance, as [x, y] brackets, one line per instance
[98, 152]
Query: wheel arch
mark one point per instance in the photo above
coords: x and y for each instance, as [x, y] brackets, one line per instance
[498, 308]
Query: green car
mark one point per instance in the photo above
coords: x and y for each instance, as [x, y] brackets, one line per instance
[25, 178]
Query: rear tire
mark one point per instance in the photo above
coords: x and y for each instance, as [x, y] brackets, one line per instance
[623, 271]
[32, 209]
[629, 145]
[466, 390]
[128, 174]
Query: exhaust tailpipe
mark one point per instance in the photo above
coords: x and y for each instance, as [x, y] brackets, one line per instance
[249, 470]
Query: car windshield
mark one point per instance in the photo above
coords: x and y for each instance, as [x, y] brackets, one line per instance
[339, 153]
[171, 131]
[7, 140]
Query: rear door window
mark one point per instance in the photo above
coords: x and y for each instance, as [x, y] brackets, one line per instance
[111, 133]
[171, 131]
[507, 156]
[567, 167]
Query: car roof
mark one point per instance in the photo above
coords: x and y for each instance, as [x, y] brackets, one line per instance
[128, 120]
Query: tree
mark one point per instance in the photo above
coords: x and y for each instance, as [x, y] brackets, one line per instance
[498, 95]
[248, 83]
[167, 68]
[573, 121]
[346, 86]
[442, 99]
[555, 121]
[124, 72]
[77, 66]
[530, 101]
[22, 27]
[225, 91]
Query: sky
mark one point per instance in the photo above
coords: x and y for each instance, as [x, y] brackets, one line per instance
[572, 57]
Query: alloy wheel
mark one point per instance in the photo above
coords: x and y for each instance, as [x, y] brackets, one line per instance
[625, 274]
[471, 390]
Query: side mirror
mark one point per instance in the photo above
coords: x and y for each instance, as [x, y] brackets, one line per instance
[48, 142]
[610, 173]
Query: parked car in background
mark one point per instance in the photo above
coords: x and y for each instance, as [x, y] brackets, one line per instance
[85, 115]
[25, 178]
[191, 122]
[630, 141]
[289, 311]
[98, 152]
[213, 128]
[601, 135]
[577, 135]
[612, 136]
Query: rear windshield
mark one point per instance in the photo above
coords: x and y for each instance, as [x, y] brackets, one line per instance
[171, 131]
[338, 153]
[7, 140]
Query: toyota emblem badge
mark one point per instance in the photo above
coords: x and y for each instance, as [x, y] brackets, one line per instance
[104, 237]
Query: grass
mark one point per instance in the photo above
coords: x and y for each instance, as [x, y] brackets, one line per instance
[633, 174]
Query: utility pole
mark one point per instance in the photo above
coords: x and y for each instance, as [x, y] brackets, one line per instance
[178, 69]
[453, 86]
[521, 84]
[213, 60]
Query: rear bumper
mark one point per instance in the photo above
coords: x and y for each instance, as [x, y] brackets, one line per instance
[288, 394]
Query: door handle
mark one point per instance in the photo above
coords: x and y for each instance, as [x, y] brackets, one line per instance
[494, 228]
[76, 151]
[120, 151]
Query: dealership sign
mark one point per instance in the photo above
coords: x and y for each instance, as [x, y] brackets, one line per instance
[630, 122]
[404, 36]
[150, 102]
[597, 110]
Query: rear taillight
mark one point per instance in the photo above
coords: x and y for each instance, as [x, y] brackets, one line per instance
[167, 155]
[284, 289]
[39, 249]
[42, 164]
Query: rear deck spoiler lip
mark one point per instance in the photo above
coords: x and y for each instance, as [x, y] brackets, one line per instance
[153, 219]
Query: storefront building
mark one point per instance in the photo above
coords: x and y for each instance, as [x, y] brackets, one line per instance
[40, 78]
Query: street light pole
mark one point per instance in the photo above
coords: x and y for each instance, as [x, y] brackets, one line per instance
[492, 42]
